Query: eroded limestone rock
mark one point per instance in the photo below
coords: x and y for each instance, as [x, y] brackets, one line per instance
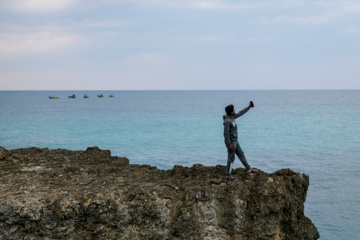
[62, 194]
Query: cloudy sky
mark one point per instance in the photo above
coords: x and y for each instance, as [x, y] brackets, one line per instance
[179, 44]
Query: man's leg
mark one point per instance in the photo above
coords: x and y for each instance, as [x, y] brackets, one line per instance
[230, 161]
[239, 152]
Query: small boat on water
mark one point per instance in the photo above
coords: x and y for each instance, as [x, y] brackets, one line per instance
[53, 97]
[111, 95]
[72, 96]
[100, 96]
[86, 96]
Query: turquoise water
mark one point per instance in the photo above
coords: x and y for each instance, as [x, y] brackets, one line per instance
[312, 132]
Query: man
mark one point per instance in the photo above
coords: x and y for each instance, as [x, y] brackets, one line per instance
[231, 139]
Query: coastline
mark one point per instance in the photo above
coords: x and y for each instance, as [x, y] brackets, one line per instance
[90, 194]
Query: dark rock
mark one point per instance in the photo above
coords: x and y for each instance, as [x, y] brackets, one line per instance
[4, 154]
[62, 194]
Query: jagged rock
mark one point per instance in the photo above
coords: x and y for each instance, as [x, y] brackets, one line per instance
[62, 194]
[4, 154]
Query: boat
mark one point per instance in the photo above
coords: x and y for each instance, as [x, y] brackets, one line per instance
[53, 97]
[111, 95]
[86, 96]
[72, 96]
[100, 96]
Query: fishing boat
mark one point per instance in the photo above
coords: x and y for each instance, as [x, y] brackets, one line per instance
[53, 97]
[111, 95]
[86, 96]
[72, 96]
[100, 96]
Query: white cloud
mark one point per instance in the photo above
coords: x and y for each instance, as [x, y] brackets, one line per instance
[312, 20]
[34, 43]
[37, 5]
[315, 12]
[149, 59]
[100, 24]
[208, 39]
[352, 31]
[214, 39]
[193, 4]
[212, 4]
[254, 39]
[342, 6]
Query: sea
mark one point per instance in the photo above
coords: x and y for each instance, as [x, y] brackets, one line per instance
[316, 132]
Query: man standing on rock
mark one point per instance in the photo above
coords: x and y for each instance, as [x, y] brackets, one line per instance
[231, 139]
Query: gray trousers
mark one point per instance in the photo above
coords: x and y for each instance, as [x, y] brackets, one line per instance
[231, 157]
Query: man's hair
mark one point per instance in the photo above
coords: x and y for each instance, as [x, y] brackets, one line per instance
[229, 109]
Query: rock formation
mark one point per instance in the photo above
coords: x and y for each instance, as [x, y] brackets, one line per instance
[63, 194]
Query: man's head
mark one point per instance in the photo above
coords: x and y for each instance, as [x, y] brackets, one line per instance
[229, 110]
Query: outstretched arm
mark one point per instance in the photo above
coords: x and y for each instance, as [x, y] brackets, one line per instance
[242, 112]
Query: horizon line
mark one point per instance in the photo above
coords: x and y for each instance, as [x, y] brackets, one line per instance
[82, 90]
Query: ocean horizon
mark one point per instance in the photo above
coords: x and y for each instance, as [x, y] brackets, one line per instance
[316, 132]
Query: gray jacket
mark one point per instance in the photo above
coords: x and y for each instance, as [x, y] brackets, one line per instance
[230, 127]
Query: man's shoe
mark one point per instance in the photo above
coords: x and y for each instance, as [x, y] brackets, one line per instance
[229, 177]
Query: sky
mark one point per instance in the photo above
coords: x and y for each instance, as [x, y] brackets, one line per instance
[179, 44]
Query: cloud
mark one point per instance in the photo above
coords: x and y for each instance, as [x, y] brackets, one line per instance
[210, 39]
[18, 39]
[308, 20]
[35, 42]
[193, 4]
[352, 31]
[343, 6]
[319, 12]
[212, 4]
[37, 5]
[149, 59]
[89, 23]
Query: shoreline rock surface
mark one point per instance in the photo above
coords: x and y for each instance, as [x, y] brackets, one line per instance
[63, 194]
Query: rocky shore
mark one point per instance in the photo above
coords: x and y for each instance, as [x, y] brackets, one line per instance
[63, 194]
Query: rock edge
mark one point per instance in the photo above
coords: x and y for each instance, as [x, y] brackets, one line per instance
[63, 194]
